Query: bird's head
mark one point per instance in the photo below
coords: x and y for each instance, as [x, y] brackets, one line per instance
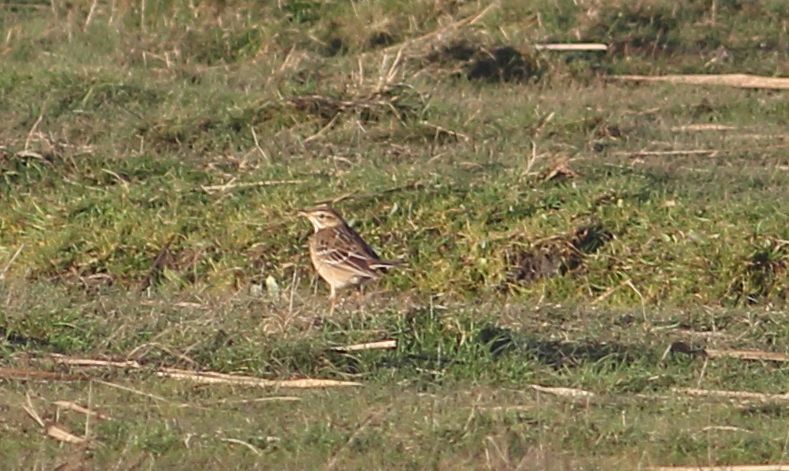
[322, 217]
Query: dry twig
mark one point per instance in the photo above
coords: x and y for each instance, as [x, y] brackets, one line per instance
[11, 261]
[571, 47]
[133, 391]
[205, 377]
[646, 153]
[702, 127]
[233, 185]
[725, 428]
[90, 362]
[757, 355]
[21, 374]
[256, 400]
[62, 435]
[512, 408]
[746, 467]
[68, 405]
[563, 392]
[739, 395]
[380, 345]
[31, 411]
[747, 355]
[249, 446]
[728, 80]
[52, 430]
[209, 377]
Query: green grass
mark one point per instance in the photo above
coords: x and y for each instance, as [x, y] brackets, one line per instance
[120, 127]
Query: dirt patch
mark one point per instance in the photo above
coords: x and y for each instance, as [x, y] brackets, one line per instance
[380, 39]
[502, 64]
[499, 63]
[557, 256]
[335, 46]
[531, 265]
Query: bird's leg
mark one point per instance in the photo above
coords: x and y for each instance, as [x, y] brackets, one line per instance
[360, 297]
[333, 300]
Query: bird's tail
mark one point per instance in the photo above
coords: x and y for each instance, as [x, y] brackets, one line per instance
[387, 264]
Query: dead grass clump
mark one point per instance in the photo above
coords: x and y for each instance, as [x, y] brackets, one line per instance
[399, 101]
[557, 255]
[390, 101]
[763, 274]
[500, 63]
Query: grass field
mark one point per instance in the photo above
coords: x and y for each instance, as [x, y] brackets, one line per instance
[584, 256]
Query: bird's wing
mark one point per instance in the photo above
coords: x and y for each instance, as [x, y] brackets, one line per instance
[350, 238]
[347, 251]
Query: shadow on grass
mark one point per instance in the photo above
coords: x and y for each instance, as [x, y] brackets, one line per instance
[16, 339]
[501, 341]
[496, 344]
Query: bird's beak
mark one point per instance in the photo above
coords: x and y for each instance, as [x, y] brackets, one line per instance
[303, 213]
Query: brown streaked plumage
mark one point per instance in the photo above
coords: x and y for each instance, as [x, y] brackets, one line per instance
[340, 256]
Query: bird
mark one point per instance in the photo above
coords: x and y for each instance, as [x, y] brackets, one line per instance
[340, 255]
